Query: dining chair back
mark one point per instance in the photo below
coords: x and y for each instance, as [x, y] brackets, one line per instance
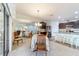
[41, 43]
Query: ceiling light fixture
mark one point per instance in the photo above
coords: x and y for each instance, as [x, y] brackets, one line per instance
[76, 12]
[38, 24]
[59, 17]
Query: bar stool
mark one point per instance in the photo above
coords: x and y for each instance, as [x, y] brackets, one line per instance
[76, 42]
[72, 40]
[64, 39]
[58, 38]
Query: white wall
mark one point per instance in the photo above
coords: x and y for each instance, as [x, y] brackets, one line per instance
[17, 26]
[54, 26]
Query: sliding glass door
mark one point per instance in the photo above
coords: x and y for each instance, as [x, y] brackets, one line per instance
[4, 30]
[1, 29]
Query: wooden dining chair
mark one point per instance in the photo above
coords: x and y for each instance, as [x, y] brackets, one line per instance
[17, 38]
[41, 44]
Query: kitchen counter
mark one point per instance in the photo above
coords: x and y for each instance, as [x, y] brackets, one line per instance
[74, 33]
[67, 37]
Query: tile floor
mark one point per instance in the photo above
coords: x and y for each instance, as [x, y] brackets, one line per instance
[56, 49]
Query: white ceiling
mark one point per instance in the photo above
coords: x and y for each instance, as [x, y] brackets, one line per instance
[27, 12]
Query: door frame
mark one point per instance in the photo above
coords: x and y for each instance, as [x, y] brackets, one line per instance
[6, 13]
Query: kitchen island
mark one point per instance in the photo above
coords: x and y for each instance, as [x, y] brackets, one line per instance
[67, 37]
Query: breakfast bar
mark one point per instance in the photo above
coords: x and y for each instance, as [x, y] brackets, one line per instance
[69, 38]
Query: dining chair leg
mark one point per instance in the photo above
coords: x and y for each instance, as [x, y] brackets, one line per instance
[76, 46]
[21, 41]
[17, 42]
